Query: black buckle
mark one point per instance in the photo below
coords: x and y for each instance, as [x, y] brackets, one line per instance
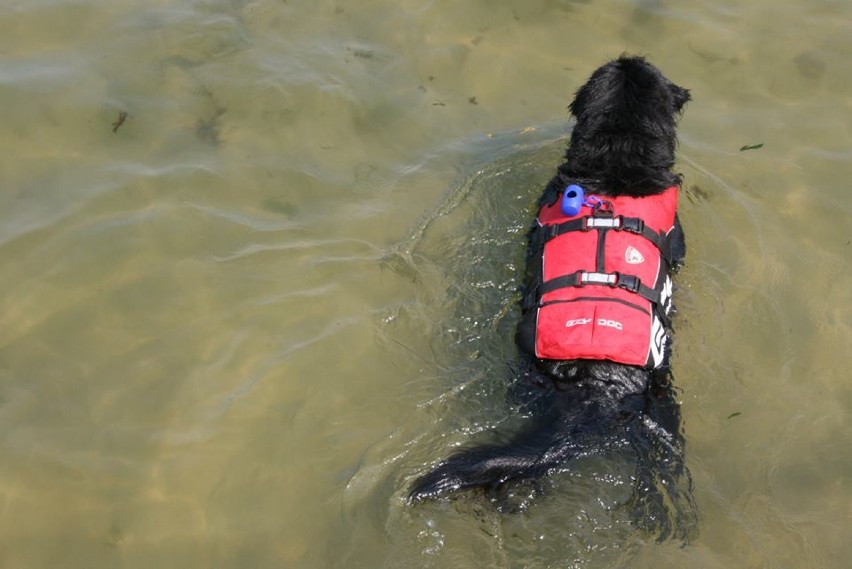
[552, 232]
[631, 224]
[628, 282]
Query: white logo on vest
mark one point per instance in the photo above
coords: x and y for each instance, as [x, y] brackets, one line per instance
[633, 256]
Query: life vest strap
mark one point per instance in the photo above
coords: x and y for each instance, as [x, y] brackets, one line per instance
[631, 283]
[618, 223]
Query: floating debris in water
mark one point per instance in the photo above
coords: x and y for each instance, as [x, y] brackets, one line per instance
[734, 414]
[696, 193]
[363, 53]
[473, 101]
[122, 116]
[751, 147]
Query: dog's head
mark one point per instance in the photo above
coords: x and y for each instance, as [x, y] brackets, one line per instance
[624, 140]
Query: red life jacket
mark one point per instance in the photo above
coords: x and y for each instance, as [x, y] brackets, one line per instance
[604, 291]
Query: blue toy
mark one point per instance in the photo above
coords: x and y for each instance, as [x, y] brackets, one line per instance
[572, 200]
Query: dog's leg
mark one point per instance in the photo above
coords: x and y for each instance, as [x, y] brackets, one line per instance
[663, 501]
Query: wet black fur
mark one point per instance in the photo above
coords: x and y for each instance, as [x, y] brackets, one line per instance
[623, 143]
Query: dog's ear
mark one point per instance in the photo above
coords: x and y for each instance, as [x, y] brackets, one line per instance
[680, 97]
[578, 105]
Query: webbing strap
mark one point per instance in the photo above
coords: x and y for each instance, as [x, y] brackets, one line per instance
[631, 283]
[618, 223]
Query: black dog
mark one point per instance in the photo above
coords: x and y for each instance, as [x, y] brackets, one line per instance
[622, 148]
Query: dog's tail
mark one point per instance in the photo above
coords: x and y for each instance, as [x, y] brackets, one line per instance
[542, 449]
[647, 424]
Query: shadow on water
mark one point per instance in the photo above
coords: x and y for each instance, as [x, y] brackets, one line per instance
[466, 257]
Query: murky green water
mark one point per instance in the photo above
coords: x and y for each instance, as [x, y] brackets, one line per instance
[235, 325]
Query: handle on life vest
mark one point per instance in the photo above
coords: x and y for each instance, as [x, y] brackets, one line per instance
[572, 200]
